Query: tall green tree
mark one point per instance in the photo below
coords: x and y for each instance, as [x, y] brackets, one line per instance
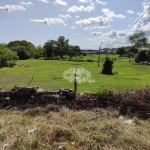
[133, 49]
[24, 49]
[39, 51]
[71, 51]
[49, 48]
[64, 43]
[56, 49]
[77, 50]
[121, 51]
[138, 39]
[148, 54]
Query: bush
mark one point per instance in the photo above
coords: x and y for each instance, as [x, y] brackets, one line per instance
[84, 54]
[107, 66]
[89, 60]
[11, 64]
[137, 59]
[7, 57]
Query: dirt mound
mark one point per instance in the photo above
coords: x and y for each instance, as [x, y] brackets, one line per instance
[132, 103]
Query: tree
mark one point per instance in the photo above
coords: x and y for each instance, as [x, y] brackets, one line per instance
[121, 51]
[107, 66]
[142, 56]
[133, 49]
[148, 54]
[23, 53]
[39, 51]
[138, 39]
[22, 47]
[7, 57]
[63, 42]
[77, 50]
[48, 46]
[71, 51]
[56, 49]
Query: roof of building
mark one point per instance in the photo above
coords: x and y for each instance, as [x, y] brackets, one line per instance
[144, 48]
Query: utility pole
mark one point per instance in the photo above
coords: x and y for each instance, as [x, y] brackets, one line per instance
[99, 56]
[91, 57]
[112, 51]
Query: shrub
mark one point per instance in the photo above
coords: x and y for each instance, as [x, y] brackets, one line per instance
[84, 54]
[107, 66]
[89, 60]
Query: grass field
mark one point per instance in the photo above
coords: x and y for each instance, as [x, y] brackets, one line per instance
[49, 74]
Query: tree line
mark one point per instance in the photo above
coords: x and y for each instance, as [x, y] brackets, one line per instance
[52, 49]
[138, 41]
[61, 49]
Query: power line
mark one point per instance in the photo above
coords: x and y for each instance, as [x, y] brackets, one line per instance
[137, 20]
[134, 23]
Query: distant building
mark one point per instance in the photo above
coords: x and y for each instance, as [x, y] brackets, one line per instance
[89, 51]
[102, 51]
[144, 49]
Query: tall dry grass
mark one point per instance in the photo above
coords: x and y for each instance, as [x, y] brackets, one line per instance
[97, 129]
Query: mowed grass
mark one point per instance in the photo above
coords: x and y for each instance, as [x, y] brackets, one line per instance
[48, 74]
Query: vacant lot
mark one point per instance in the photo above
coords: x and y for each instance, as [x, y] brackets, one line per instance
[47, 128]
[49, 74]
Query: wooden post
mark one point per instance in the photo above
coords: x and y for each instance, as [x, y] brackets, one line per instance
[99, 56]
[75, 82]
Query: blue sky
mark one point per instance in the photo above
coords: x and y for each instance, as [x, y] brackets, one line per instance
[88, 23]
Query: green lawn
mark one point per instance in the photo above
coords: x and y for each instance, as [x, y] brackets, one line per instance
[49, 74]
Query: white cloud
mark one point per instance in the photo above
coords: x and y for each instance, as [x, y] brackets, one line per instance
[96, 33]
[113, 38]
[26, 3]
[142, 23]
[83, 1]
[103, 3]
[73, 27]
[110, 14]
[92, 21]
[64, 16]
[49, 21]
[10, 8]
[99, 27]
[145, 28]
[80, 8]
[112, 34]
[130, 11]
[86, 28]
[146, 3]
[87, 1]
[96, 27]
[77, 16]
[117, 38]
[60, 2]
[138, 13]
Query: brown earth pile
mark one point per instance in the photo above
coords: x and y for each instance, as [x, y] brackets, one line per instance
[131, 103]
